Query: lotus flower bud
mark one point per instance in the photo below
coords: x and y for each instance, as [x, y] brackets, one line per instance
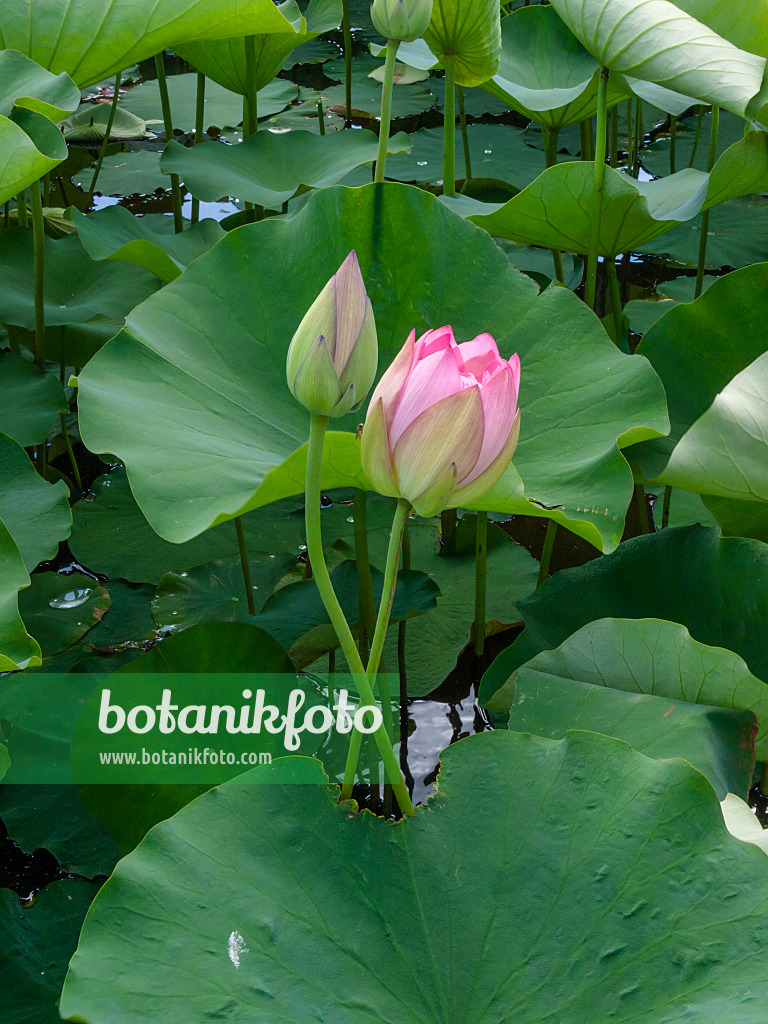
[443, 422]
[404, 20]
[333, 355]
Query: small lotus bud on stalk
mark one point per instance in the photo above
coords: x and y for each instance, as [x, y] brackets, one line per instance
[402, 20]
[443, 422]
[333, 355]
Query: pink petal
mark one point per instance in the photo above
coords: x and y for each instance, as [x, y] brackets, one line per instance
[435, 341]
[432, 378]
[499, 398]
[479, 355]
[391, 384]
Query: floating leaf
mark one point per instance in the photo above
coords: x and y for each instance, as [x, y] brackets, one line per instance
[60, 609]
[236, 438]
[385, 941]
[149, 241]
[36, 512]
[17, 648]
[126, 174]
[89, 123]
[737, 232]
[270, 169]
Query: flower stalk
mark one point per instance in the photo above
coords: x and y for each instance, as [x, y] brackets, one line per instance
[386, 108]
[598, 184]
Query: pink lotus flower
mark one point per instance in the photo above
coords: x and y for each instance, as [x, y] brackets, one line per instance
[443, 422]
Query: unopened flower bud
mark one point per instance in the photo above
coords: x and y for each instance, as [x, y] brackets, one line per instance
[333, 356]
[404, 20]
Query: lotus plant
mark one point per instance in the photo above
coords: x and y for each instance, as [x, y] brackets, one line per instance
[443, 423]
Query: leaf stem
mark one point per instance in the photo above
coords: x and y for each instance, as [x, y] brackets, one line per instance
[21, 209]
[244, 563]
[642, 509]
[665, 509]
[672, 142]
[598, 183]
[705, 216]
[386, 108]
[318, 427]
[199, 125]
[697, 136]
[464, 135]
[250, 120]
[38, 228]
[165, 103]
[481, 572]
[449, 130]
[616, 306]
[546, 553]
[366, 604]
[401, 629]
[105, 141]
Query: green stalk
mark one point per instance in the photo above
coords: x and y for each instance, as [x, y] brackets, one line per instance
[597, 189]
[618, 316]
[6, 213]
[481, 566]
[178, 221]
[38, 228]
[366, 605]
[250, 120]
[245, 565]
[614, 137]
[705, 216]
[105, 141]
[13, 338]
[665, 509]
[630, 138]
[346, 26]
[386, 108]
[697, 136]
[448, 522]
[199, 117]
[449, 130]
[550, 153]
[672, 142]
[21, 209]
[464, 135]
[401, 634]
[70, 453]
[318, 427]
[546, 552]
[47, 189]
[642, 509]
[639, 136]
[320, 117]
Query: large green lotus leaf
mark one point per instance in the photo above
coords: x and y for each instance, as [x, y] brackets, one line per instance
[496, 151]
[126, 174]
[556, 209]
[149, 241]
[657, 41]
[716, 741]
[224, 59]
[36, 512]
[93, 39]
[222, 106]
[545, 72]
[698, 349]
[77, 288]
[31, 145]
[61, 609]
[52, 817]
[215, 592]
[467, 33]
[644, 313]
[31, 400]
[641, 900]
[366, 98]
[5, 757]
[39, 939]
[738, 518]
[656, 657]
[17, 648]
[296, 609]
[235, 439]
[434, 643]
[661, 576]
[725, 452]
[269, 169]
[110, 535]
[89, 123]
[745, 26]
